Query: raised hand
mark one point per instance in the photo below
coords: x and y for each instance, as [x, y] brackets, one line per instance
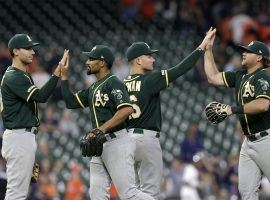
[64, 69]
[62, 62]
[208, 39]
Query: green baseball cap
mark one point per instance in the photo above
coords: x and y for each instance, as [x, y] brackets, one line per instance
[101, 52]
[138, 49]
[256, 47]
[21, 41]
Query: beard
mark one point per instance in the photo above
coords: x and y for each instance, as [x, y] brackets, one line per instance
[88, 71]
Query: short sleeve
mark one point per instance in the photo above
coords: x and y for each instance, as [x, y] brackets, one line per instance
[262, 89]
[157, 81]
[82, 98]
[119, 94]
[22, 86]
[229, 79]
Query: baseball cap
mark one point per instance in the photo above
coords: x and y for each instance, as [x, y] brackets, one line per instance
[101, 52]
[21, 41]
[138, 49]
[256, 47]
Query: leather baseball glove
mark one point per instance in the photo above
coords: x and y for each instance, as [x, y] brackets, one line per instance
[35, 173]
[92, 143]
[216, 112]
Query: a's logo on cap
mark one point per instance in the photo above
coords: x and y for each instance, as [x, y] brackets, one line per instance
[147, 45]
[29, 39]
[102, 56]
[250, 44]
[260, 51]
[94, 48]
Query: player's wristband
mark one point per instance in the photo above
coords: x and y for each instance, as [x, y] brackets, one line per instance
[237, 109]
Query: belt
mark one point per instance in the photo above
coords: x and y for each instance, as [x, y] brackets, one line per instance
[117, 134]
[258, 135]
[141, 131]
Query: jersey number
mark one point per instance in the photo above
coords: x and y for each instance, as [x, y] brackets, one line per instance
[137, 111]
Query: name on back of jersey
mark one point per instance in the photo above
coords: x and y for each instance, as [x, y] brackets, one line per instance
[133, 86]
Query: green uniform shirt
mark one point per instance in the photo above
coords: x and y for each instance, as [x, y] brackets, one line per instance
[144, 92]
[248, 88]
[17, 87]
[104, 98]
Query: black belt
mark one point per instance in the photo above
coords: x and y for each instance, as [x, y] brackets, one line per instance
[140, 131]
[257, 136]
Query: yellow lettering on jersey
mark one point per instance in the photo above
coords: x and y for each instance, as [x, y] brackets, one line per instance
[133, 86]
[249, 90]
[101, 99]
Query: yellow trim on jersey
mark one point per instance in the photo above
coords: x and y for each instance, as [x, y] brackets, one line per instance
[166, 77]
[224, 79]
[33, 90]
[263, 96]
[28, 78]
[131, 78]
[93, 104]
[124, 104]
[79, 101]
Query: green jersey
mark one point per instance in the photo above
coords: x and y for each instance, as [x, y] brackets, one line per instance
[104, 98]
[144, 91]
[17, 87]
[248, 88]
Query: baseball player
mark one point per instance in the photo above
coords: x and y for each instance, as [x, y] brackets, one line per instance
[252, 89]
[145, 123]
[110, 106]
[20, 99]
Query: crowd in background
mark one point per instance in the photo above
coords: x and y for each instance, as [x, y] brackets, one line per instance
[211, 175]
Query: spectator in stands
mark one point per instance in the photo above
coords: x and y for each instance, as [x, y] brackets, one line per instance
[191, 180]
[192, 143]
[49, 121]
[40, 76]
[75, 186]
[67, 125]
[120, 68]
[173, 181]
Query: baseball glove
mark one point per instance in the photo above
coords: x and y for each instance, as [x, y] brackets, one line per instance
[92, 143]
[35, 173]
[216, 112]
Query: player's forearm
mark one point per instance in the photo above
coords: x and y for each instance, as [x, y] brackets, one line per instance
[45, 92]
[257, 106]
[213, 75]
[69, 97]
[120, 116]
[184, 66]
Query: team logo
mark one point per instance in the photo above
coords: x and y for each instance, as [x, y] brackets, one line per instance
[264, 84]
[29, 39]
[147, 45]
[117, 93]
[249, 90]
[250, 44]
[101, 99]
[94, 48]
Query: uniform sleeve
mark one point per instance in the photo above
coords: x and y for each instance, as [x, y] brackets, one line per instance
[262, 89]
[157, 81]
[22, 87]
[119, 94]
[184, 66]
[78, 100]
[229, 79]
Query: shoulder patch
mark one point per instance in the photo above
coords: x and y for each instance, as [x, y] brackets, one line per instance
[264, 84]
[117, 93]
